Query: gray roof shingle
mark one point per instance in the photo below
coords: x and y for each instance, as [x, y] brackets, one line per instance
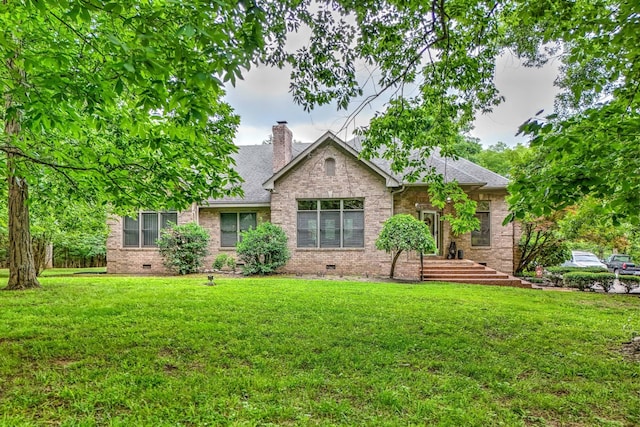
[254, 163]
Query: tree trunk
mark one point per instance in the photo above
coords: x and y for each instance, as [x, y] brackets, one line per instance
[22, 273]
[393, 263]
[39, 246]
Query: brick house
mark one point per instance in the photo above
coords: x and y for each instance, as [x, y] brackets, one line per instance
[331, 205]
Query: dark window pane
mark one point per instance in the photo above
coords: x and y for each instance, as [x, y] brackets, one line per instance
[482, 237]
[247, 221]
[329, 229]
[168, 217]
[353, 230]
[307, 205]
[329, 205]
[307, 230]
[353, 204]
[131, 232]
[228, 229]
[149, 229]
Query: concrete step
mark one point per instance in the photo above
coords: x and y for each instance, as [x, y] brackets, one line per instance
[467, 271]
[428, 271]
[488, 275]
[440, 261]
[476, 267]
[514, 282]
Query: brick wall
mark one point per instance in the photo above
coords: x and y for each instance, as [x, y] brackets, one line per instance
[121, 260]
[351, 180]
[500, 254]
[281, 143]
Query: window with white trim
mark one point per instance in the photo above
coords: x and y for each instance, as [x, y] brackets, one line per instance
[332, 223]
[232, 224]
[143, 230]
[482, 237]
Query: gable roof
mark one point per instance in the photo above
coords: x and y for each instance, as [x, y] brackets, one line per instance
[254, 163]
[329, 136]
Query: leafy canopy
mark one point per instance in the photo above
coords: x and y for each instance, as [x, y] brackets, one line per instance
[592, 145]
[124, 99]
[436, 62]
[405, 232]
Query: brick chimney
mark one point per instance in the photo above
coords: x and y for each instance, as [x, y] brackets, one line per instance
[282, 138]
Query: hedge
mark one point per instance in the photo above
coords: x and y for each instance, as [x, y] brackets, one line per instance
[555, 274]
[629, 282]
[586, 280]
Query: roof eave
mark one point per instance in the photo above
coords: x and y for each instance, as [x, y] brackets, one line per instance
[235, 204]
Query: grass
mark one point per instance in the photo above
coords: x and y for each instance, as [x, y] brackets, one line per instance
[62, 271]
[170, 351]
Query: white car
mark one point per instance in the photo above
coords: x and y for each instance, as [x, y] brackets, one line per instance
[584, 259]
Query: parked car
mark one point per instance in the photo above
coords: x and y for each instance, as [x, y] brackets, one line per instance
[622, 264]
[584, 259]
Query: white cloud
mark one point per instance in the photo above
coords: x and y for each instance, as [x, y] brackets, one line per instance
[263, 98]
[526, 91]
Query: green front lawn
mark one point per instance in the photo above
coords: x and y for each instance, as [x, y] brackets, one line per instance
[170, 351]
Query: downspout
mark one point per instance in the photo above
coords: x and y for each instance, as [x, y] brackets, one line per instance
[393, 193]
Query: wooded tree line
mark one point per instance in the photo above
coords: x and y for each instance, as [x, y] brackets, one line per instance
[68, 234]
[122, 103]
[587, 224]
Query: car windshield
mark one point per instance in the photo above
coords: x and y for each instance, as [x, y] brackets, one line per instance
[622, 258]
[587, 258]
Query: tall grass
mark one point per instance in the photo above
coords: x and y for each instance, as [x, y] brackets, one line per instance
[170, 351]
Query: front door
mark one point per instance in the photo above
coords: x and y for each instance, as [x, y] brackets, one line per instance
[432, 219]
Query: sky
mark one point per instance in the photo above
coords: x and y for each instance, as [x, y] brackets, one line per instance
[263, 98]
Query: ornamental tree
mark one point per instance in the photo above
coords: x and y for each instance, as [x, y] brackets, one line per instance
[541, 243]
[121, 102]
[404, 232]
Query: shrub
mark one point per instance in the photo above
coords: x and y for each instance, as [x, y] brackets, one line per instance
[579, 280]
[586, 280]
[263, 249]
[605, 280]
[526, 274]
[555, 278]
[183, 247]
[224, 260]
[629, 282]
[555, 275]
